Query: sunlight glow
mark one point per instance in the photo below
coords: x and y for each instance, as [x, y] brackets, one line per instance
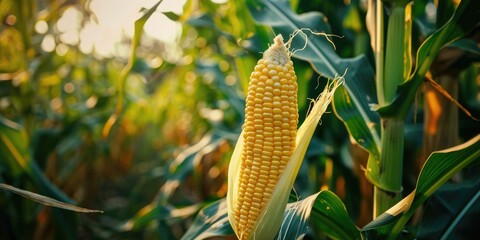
[48, 43]
[114, 22]
[69, 87]
[68, 25]
[162, 28]
[41, 27]
[61, 49]
[91, 102]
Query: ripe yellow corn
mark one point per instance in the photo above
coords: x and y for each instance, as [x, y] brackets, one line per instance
[269, 132]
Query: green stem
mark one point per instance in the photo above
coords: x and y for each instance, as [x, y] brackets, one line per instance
[379, 51]
[394, 62]
[391, 159]
[391, 166]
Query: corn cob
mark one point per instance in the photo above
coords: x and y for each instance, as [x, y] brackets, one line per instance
[269, 132]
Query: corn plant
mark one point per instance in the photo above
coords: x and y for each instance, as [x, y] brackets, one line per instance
[235, 138]
[374, 106]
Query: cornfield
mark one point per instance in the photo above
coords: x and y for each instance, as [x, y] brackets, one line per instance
[255, 119]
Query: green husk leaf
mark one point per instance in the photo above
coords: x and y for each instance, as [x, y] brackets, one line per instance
[233, 178]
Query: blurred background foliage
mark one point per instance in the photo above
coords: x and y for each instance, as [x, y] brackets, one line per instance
[155, 151]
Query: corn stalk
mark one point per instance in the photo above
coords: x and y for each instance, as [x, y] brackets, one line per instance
[392, 70]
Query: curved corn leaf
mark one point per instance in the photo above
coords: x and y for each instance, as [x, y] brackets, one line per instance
[473, 202]
[185, 163]
[122, 79]
[46, 200]
[13, 146]
[161, 214]
[352, 105]
[327, 210]
[468, 45]
[359, 129]
[14, 149]
[331, 217]
[439, 167]
[295, 220]
[146, 215]
[452, 203]
[178, 171]
[211, 221]
[465, 18]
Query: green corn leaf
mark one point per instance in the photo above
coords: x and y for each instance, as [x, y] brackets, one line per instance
[15, 152]
[439, 167]
[468, 45]
[457, 220]
[178, 172]
[122, 79]
[330, 215]
[158, 213]
[172, 16]
[324, 208]
[358, 128]
[211, 221]
[186, 162]
[13, 146]
[446, 209]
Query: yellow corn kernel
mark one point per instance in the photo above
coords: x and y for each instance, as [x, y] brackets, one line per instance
[269, 131]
